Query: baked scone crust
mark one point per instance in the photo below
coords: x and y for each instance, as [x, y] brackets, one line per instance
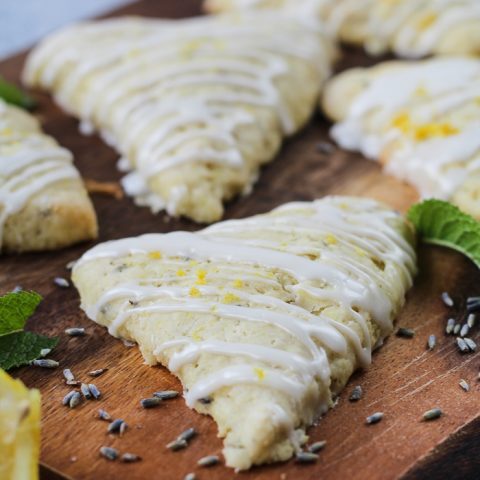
[421, 120]
[43, 203]
[194, 106]
[265, 317]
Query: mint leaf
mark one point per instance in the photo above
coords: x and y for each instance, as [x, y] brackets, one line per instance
[441, 223]
[21, 348]
[11, 94]
[15, 309]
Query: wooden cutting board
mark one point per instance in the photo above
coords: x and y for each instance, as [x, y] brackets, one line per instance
[404, 381]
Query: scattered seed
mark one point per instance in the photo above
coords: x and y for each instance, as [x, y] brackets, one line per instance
[473, 303]
[456, 329]
[61, 282]
[205, 400]
[45, 363]
[104, 415]
[474, 306]
[68, 375]
[432, 414]
[166, 394]
[356, 394]
[471, 320]
[187, 434]
[432, 341]
[85, 391]
[190, 476]
[464, 385]
[44, 352]
[447, 299]
[464, 331]
[375, 418]
[75, 400]
[177, 445]
[73, 383]
[326, 148]
[129, 344]
[462, 345]
[470, 344]
[75, 332]
[94, 391]
[317, 446]
[450, 326]
[67, 397]
[109, 453]
[116, 426]
[130, 458]
[405, 332]
[150, 402]
[306, 457]
[208, 461]
[17, 289]
[98, 372]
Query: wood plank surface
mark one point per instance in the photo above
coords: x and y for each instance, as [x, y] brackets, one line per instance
[404, 381]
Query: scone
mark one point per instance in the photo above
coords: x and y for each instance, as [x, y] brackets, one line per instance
[409, 28]
[43, 203]
[421, 120]
[263, 319]
[194, 106]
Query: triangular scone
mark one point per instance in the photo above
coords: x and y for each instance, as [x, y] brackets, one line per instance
[43, 203]
[409, 28]
[422, 120]
[262, 319]
[194, 106]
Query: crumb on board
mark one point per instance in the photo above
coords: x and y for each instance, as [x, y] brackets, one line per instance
[112, 189]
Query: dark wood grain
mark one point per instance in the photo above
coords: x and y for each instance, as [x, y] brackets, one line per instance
[403, 382]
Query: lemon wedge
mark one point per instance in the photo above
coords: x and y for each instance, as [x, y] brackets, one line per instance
[19, 430]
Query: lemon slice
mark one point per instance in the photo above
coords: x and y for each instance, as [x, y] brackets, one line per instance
[19, 430]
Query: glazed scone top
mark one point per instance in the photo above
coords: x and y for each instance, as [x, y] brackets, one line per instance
[348, 252]
[172, 93]
[421, 119]
[410, 28]
[30, 161]
[416, 28]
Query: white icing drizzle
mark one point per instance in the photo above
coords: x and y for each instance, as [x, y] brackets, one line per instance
[244, 374]
[29, 163]
[359, 228]
[410, 41]
[436, 166]
[166, 93]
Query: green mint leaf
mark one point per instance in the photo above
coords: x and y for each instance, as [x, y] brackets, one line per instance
[21, 348]
[15, 309]
[11, 94]
[441, 223]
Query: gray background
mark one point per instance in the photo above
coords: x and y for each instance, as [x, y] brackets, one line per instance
[23, 22]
